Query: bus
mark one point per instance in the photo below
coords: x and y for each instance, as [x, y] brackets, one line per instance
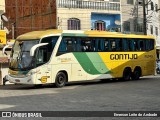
[61, 56]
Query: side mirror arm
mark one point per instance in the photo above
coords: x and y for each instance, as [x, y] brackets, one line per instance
[4, 49]
[32, 51]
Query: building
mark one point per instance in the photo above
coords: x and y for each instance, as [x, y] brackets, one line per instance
[153, 22]
[29, 15]
[89, 14]
[132, 16]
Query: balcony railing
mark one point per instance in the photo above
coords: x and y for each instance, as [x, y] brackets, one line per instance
[98, 5]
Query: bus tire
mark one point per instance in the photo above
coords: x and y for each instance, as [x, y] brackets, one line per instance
[136, 74]
[60, 80]
[126, 74]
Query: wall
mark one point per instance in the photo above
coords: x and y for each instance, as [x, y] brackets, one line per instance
[84, 15]
[29, 15]
[109, 19]
[153, 20]
[129, 13]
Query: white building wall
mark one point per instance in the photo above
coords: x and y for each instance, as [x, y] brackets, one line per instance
[153, 20]
[84, 15]
[129, 13]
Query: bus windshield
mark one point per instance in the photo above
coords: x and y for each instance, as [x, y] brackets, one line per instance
[20, 55]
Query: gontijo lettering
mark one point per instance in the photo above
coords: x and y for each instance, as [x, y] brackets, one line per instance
[123, 56]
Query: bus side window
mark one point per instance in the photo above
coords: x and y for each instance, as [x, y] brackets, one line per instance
[106, 45]
[86, 45]
[99, 44]
[51, 44]
[152, 44]
[78, 45]
[93, 43]
[69, 47]
[149, 44]
[125, 45]
[83, 46]
[141, 45]
[42, 56]
[102, 44]
[113, 45]
[118, 45]
[62, 47]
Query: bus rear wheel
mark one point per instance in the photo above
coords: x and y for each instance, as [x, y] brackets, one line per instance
[126, 74]
[136, 74]
[60, 80]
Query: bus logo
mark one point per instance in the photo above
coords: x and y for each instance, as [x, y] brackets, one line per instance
[44, 79]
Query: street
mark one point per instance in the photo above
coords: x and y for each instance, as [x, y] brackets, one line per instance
[133, 95]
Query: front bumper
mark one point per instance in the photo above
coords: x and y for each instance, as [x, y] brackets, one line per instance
[20, 80]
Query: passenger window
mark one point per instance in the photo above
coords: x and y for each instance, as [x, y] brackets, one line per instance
[87, 45]
[141, 45]
[119, 45]
[113, 45]
[106, 45]
[149, 44]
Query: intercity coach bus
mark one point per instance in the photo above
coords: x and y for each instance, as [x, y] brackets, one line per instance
[61, 56]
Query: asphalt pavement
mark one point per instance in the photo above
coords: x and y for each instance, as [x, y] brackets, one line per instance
[133, 95]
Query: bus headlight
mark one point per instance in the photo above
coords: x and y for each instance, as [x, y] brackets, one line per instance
[28, 74]
[33, 72]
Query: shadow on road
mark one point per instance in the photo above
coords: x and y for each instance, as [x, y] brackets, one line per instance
[79, 83]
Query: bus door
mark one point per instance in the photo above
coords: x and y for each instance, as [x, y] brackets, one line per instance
[44, 74]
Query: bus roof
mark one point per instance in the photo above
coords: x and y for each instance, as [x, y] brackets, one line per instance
[90, 33]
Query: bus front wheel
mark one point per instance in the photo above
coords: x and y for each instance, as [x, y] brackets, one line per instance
[61, 79]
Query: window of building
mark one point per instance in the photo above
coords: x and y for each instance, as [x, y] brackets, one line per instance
[126, 26]
[130, 2]
[156, 7]
[100, 25]
[156, 31]
[138, 27]
[73, 24]
[151, 28]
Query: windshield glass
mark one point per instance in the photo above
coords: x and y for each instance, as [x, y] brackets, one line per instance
[20, 56]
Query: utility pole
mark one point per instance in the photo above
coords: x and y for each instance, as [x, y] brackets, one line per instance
[144, 18]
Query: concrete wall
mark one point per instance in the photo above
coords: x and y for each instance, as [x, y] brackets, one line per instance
[129, 13]
[154, 20]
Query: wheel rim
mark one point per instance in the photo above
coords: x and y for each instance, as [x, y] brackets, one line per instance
[61, 79]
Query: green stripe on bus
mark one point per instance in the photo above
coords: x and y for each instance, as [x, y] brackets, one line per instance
[86, 63]
[98, 62]
[91, 63]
